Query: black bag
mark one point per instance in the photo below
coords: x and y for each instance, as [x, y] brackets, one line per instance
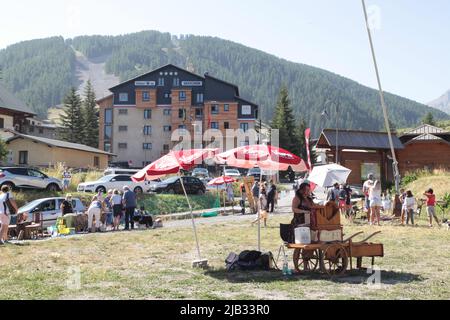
[287, 233]
[231, 261]
[264, 261]
[8, 204]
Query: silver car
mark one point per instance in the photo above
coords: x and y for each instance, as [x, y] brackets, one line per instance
[50, 209]
[28, 178]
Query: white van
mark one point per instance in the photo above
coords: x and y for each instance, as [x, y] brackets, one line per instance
[111, 171]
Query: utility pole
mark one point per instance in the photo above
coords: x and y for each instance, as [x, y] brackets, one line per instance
[383, 104]
[337, 133]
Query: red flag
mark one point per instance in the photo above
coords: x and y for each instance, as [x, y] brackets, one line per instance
[307, 137]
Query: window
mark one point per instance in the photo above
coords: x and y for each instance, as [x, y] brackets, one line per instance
[108, 132]
[167, 95]
[166, 147]
[108, 116]
[244, 127]
[147, 114]
[226, 125]
[182, 114]
[199, 97]
[31, 128]
[226, 107]
[160, 82]
[23, 157]
[123, 112]
[214, 109]
[96, 162]
[145, 96]
[167, 128]
[2, 124]
[123, 97]
[182, 95]
[147, 130]
[123, 145]
[123, 128]
[182, 127]
[147, 146]
[41, 131]
[199, 114]
[34, 173]
[176, 82]
[107, 147]
[214, 125]
[246, 110]
[167, 112]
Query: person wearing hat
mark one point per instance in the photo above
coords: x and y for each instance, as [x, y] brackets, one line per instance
[366, 188]
[66, 206]
[129, 202]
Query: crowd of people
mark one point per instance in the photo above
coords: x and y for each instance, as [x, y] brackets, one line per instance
[405, 203]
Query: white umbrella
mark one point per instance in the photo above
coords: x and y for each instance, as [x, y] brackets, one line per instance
[326, 176]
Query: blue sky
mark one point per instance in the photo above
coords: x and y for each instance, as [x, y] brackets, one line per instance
[411, 36]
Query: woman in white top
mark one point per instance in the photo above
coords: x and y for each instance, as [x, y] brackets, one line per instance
[95, 210]
[375, 202]
[117, 206]
[5, 215]
[409, 203]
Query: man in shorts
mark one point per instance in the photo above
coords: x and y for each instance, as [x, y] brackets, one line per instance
[66, 178]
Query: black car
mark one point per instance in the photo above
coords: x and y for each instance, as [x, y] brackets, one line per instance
[173, 186]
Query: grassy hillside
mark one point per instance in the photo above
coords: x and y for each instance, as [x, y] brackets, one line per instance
[259, 75]
[437, 180]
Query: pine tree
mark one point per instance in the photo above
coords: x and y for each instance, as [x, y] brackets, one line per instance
[3, 150]
[429, 119]
[284, 121]
[71, 119]
[90, 118]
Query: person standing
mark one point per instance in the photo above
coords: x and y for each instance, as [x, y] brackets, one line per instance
[431, 207]
[66, 206]
[262, 204]
[230, 192]
[333, 194]
[271, 196]
[366, 186]
[129, 202]
[255, 193]
[116, 201]
[375, 202]
[108, 206]
[402, 200]
[66, 177]
[243, 196]
[94, 211]
[5, 212]
[410, 203]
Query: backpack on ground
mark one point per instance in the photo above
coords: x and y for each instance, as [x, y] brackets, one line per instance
[249, 260]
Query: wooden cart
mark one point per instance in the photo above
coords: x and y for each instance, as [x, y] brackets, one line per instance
[334, 258]
[329, 252]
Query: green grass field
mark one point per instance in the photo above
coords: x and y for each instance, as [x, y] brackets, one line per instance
[156, 264]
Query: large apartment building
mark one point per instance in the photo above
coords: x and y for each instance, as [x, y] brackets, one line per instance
[145, 117]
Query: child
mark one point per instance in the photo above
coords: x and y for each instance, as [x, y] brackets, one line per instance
[402, 200]
[431, 207]
[409, 203]
[386, 200]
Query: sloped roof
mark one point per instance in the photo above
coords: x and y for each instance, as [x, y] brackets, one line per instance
[427, 137]
[9, 101]
[425, 128]
[352, 139]
[57, 143]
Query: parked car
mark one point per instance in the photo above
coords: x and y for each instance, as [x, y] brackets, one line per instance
[256, 173]
[200, 173]
[232, 173]
[50, 209]
[173, 185]
[111, 171]
[28, 178]
[114, 181]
